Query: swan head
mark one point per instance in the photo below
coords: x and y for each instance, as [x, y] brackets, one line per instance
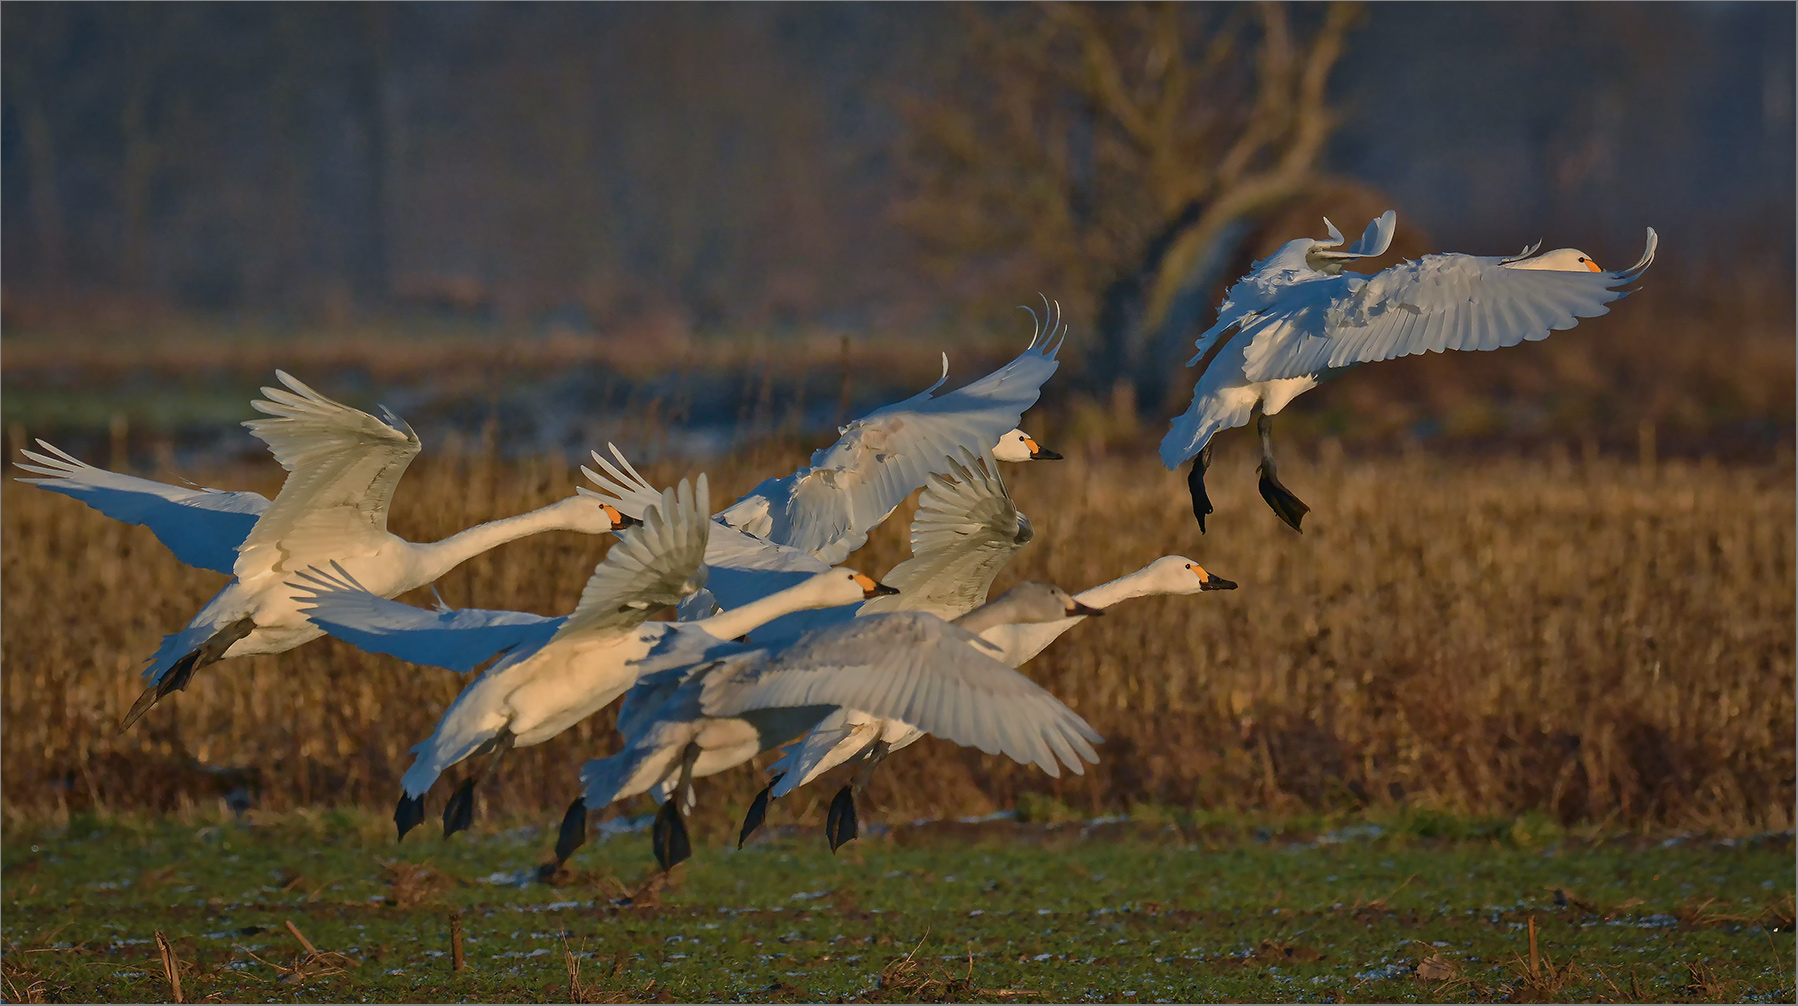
[1020, 446]
[589, 516]
[843, 585]
[1176, 574]
[1040, 602]
[1559, 260]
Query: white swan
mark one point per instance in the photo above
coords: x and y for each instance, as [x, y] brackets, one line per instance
[554, 671]
[908, 666]
[848, 733]
[343, 465]
[1297, 319]
[828, 508]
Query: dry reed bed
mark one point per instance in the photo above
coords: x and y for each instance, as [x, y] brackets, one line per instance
[1595, 641]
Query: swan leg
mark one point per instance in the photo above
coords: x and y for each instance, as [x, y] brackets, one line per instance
[209, 652]
[1195, 484]
[840, 824]
[758, 812]
[409, 814]
[669, 839]
[1285, 505]
[573, 833]
[458, 813]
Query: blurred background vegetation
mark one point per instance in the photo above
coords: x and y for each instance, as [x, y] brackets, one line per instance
[1556, 579]
[745, 218]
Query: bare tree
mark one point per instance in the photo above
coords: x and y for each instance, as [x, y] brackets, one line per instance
[1107, 150]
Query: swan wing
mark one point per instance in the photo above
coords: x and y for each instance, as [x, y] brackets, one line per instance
[203, 527]
[966, 529]
[459, 639]
[649, 567]
[1431, 305]
[343, 465]
[829, 508]
[920, 670]
[740, 567]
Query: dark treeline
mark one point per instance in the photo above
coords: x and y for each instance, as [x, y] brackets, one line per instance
[769, 166]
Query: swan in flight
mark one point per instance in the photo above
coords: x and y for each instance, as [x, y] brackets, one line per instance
[848, 734]
[1297, 319]
[828, 508]
[909, 666]
[343, 466]
[553, 672]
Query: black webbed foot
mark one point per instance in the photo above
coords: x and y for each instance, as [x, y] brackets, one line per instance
[758, 813]
[1280, 499]
[573, 833]
[839, 824]
[409, 814]
[458, 813]
[1195, 484]
[668, 839]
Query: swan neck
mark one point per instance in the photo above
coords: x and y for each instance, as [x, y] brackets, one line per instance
[439, 557]
[746, 618]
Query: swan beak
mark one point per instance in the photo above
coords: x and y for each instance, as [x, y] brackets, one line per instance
[1593, 266]
[1214, 582]
[619, 521]
[1038, 452]
[1084, 609]
[871, 588]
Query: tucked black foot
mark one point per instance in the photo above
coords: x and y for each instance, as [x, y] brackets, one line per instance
[1285, 505]
[669, 836]
[573, 833]
[758, 813]
[409, 814]
[1195, 484]
[458, 814]
[839, 824]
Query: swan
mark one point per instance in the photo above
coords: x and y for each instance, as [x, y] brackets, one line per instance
[1297, 319]
[909, 666]
[553, 672]
[343, 466]
[828, 507]
[847, 734]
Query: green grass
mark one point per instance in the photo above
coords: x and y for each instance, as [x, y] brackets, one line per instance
[1121, 912]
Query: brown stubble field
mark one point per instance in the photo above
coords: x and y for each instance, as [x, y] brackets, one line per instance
[1596, 642]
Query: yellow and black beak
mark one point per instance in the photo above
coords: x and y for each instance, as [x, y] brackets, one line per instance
[1038, 452]
[872, 588]
[1084, 609]
[619, 521]
[1208, 581]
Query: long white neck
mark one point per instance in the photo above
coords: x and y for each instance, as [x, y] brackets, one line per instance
[747, 618]
[1018, 642]
[433, 559]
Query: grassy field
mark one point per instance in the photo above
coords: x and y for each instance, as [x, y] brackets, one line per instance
[1413, 909]
[1593, 642]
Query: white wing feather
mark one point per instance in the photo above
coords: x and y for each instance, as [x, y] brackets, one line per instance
[920, 670]
[203, 527]
[829, 507]
[965, 531]
[343, 465]
[650, 567]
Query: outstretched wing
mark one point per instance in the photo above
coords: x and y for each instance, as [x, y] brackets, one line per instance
[343, 465]
[829, 507]
[740, 567]
[920, 670]
[459, 639]
[203, 527]
[649, 567]
[965, 531]
[1437, 303]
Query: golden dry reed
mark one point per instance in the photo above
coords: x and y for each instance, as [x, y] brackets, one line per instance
[1602, 642]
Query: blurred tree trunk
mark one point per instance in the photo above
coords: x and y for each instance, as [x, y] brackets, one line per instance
[1114, 153]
